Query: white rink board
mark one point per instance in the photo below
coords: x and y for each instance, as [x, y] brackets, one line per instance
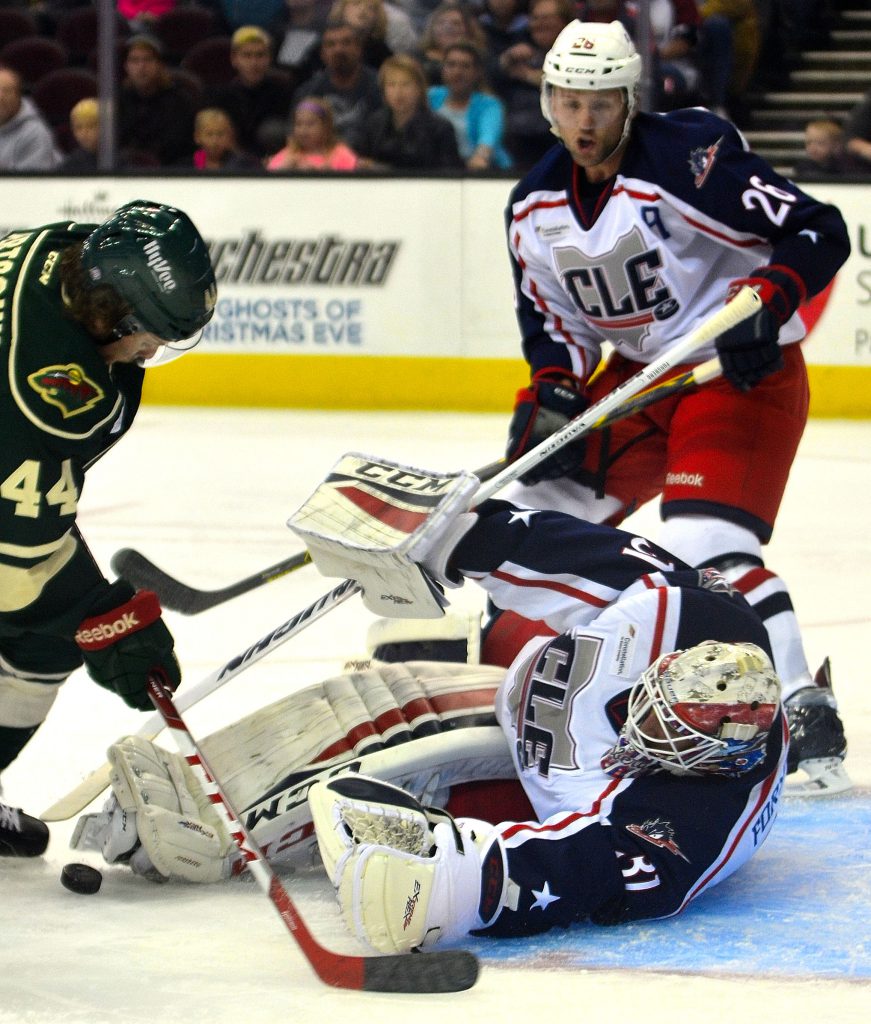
[387, 267]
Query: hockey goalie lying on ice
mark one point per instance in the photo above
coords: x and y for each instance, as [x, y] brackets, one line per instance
[628, 759]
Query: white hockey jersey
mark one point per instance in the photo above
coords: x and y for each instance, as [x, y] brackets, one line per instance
[643, 260]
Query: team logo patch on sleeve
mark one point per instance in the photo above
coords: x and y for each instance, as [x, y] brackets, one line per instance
[66, 387]
[660, 833]
[702, 161]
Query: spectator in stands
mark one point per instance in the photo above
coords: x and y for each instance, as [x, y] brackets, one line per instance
[155, 115]
[405, 134]
[312, 143]
[517, 82]
[372, 29]
[26, 141]
[857, 131]
[141, 15]
[451, 22]
[298, 31]
[729, 42]
[258, 97]
[85, 128]
[505, 23]
[825, 150]
[387, 26]
[345, 81]
[217, 148]
[478, 117]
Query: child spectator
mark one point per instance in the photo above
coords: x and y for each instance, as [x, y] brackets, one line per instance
[215, 138]
[824, 149]
[478, 118]
[312, 144]
[406, 134]
[85, 128]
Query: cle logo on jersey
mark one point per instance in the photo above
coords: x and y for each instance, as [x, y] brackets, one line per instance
[702, 161]
[67, 387]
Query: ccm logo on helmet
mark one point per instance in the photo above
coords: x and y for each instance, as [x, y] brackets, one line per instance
[159, 265]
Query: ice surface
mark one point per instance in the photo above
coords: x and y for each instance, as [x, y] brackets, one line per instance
[205, 494]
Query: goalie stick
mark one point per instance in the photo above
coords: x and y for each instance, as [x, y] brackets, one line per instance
[440, 971]
[94, 784]
[141, 572]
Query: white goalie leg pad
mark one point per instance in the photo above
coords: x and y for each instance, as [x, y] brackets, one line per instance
[382, 524]
[406, 876]
[347, 716]
[180, 832]
[456, 633]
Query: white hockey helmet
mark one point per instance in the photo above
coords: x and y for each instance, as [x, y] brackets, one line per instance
[706, 710]
[592, 55]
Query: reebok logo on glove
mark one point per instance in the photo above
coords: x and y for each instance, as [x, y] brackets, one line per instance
[102, 630]
[128, 623]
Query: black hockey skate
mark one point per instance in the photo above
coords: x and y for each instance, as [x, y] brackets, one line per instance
[21, 835]
[817, 744]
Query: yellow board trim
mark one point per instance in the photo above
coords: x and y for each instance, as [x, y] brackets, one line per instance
[408, 382]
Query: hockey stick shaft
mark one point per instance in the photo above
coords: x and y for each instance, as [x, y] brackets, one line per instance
[94, 784]
[450, 971]
[743, 306]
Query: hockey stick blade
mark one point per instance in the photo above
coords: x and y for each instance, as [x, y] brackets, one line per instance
[179, 597]
[441, 971]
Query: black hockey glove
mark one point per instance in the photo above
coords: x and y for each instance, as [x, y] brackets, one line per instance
[749, 351]
[541, 409]
[126, 639]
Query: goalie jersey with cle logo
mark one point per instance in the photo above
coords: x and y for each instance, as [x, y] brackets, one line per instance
[641, 262]
[608, 848]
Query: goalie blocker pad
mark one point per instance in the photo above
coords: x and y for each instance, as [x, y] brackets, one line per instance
[375, 521]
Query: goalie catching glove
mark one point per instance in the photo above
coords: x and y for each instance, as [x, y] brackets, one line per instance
[553, 398]
[406, 876]
[126, 639]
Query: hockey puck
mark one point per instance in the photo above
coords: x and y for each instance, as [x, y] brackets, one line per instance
[81, 878]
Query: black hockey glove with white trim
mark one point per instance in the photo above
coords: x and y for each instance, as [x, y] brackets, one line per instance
[541, 409]
[749, 351]
[126, 639]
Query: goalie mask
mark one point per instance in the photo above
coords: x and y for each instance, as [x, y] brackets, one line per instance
[155, 259]
[594, 56]
[705, 710]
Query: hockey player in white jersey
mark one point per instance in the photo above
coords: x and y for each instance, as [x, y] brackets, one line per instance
[633, 230]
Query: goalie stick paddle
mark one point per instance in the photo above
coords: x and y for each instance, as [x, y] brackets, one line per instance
[440, 971]
[94, 784]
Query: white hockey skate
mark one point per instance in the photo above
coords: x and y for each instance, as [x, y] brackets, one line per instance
[817, 745]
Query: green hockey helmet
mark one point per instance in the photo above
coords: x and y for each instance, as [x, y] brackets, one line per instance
[155, 259]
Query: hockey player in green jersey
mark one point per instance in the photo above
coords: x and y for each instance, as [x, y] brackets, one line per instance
[84, 309]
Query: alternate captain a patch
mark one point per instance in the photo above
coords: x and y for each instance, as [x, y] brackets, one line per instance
[67, 387]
